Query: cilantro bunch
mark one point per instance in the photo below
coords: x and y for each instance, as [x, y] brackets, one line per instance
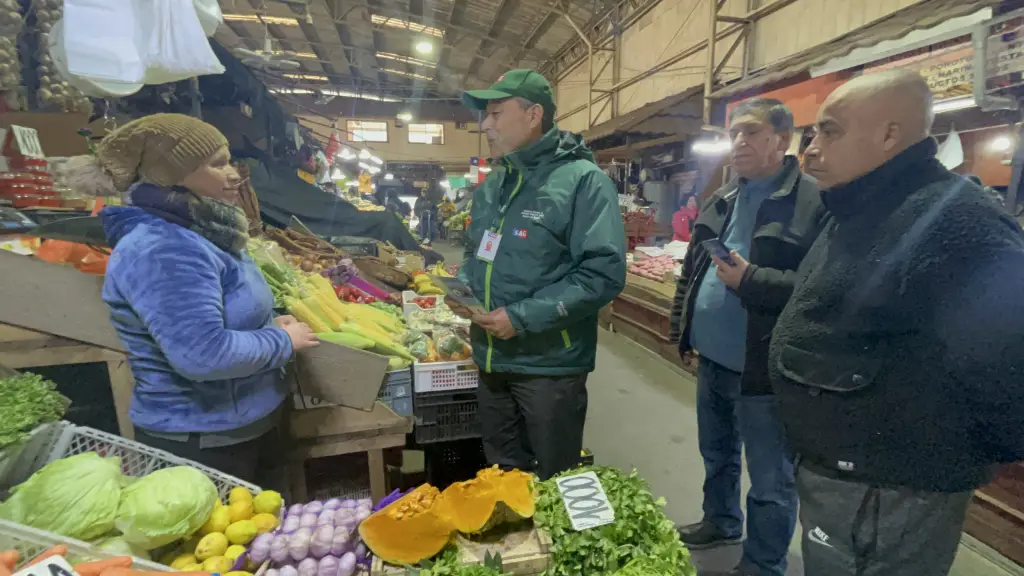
[641, 540]
[26, 401]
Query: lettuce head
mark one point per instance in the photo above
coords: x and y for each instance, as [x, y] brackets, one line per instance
[75, 496]
[165, 506]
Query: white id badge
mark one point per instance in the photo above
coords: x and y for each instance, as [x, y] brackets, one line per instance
[488, 246]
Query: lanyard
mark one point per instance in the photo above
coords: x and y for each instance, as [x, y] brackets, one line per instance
[504, 208]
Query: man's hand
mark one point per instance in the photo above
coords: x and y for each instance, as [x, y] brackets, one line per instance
[496, 323]
[459, 310]
[731, 275]
[286, 320]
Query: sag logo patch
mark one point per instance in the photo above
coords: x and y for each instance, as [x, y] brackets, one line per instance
[519, 232]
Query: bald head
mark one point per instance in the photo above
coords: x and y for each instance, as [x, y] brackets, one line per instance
[866, 122]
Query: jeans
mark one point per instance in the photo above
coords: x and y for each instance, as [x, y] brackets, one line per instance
[725, 421]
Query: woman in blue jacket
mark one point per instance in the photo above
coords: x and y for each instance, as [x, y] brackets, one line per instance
[190, 306]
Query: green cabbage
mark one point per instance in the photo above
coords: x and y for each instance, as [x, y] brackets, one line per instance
[165, 506]
[75, 496]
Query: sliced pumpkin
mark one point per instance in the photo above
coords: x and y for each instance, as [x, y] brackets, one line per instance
[409, 530]
[494, 497]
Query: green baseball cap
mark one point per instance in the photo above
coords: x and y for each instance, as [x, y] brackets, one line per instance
[528, 84]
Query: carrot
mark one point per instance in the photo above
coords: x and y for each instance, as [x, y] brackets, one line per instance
[97, 567]
[4, 570]
[58, 550]
[9, 559]
[118, 571]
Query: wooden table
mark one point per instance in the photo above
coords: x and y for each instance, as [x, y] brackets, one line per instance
[642, 313]
[336, 430]
[22, 348]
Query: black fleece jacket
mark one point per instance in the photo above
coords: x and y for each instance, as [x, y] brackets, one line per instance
[899, 359]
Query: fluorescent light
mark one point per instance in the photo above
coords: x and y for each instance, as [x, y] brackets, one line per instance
[352, 183]
[364, 154]
[258, 19]
[424, 47]
[317, 77]
[374, 170]
[406, 59]
[346, 154]
[955, 104]
[406, 116]
[376, 160]
[1001, 143]
[485, 169]
[405, 25]
[296, 54]
[331, 92]
[467, 175]
[389, 176]
[365, 166]
[407, 74]
[445, 184]
[711, 147]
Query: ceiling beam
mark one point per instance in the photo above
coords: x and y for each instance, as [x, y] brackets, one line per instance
[539, 30]
[505, 9]
[345, 36]
[310, 33]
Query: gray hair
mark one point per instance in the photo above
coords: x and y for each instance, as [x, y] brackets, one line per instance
[768, 110]
[548, 119]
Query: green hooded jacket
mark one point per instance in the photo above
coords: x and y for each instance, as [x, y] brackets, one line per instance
[561, 258]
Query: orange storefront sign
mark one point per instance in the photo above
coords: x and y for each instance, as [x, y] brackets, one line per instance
[803, 98]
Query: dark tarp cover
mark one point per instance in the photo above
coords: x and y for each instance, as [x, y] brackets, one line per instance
[282, 194]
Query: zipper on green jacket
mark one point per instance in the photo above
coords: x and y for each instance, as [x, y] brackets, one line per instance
[490, 265]
[566, 340]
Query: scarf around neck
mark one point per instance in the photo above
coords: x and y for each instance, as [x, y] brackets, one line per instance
[225, 225]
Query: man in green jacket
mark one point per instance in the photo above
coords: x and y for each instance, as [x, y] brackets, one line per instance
[545, 252]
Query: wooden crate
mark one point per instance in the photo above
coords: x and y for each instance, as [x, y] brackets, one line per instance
[523, 553]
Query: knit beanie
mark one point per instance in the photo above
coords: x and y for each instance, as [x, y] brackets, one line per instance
[160, 149]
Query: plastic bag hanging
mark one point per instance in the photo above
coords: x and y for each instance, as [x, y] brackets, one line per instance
[210, 15]
[177, 47]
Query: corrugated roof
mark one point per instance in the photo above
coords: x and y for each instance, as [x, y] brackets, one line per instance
[629, 122]
[925, 14]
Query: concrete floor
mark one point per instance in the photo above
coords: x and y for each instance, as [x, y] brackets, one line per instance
[642, 415]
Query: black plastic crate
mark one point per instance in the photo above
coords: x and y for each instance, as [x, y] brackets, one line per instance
[457, 461]
[441, 417]
[396, 392]
[342, 476]
[355, 246]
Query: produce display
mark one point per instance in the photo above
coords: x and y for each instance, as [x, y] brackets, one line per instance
[425, 302]
[641, 540]
[420, 524]
[53, 88]
[655, 268]
[116, 566]
[10, 66]
[306, 252]
[315, 539]
[444, 346]
[27, 401]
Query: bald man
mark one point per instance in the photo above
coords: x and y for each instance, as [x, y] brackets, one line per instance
[899, 359]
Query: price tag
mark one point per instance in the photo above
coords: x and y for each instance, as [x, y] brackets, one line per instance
[28, 141]
[52, 566]
[585, 501]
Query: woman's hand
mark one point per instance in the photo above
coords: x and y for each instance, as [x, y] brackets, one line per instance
[301, 334]
[282, 321]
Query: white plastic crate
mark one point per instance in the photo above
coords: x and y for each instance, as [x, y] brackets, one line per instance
[19, 461]
[408, 305]
[136, 459]
[30, 542]
[445, 376]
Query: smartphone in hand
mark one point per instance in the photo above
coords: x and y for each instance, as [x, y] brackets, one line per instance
[717, 248]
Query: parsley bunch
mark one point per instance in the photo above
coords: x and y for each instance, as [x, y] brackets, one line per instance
[641, 540]
[26, 401]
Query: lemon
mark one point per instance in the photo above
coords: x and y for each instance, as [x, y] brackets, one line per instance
[264, 522]
[241, 510]
[192, 568]
[217, 564]
[267, 502]
[211, 545]
[234, 551]
[241, 532]
[239, 573]
[239, 494]
[218, 521]
[182, 560]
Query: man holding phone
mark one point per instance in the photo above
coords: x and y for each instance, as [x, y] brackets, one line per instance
[738, 274]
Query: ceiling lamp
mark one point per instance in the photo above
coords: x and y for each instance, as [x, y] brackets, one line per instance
[364, 154]
[331, 92]
[405, 116]
[424, 47]
[1002, 143]
[711, 147]
[316, 77]
[955, 104]
[389, 176]
[406, 59]
[376, 160]
[404, 73]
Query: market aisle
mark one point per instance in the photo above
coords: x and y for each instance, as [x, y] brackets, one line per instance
[642, 414]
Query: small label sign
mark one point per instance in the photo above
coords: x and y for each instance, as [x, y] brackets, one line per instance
[585, 501]
[28, 141]
[52, 566]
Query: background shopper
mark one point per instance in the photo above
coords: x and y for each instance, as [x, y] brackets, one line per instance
[192, 310]
[898, 359]
[767, 218]
[545, 252]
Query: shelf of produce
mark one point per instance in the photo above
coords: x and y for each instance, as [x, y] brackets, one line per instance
[337, 430]
[22, 348]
